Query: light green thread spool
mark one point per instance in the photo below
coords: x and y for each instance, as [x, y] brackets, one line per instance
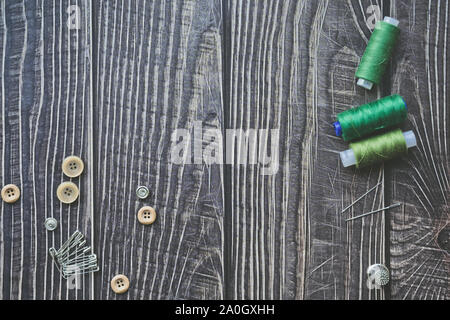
[378, 148]
[368, 118]
[378, 53]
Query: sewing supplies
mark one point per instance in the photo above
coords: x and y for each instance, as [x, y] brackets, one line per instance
[378, 148]
[378, 53]
[368, 118]
[74, 257]
[395, 205]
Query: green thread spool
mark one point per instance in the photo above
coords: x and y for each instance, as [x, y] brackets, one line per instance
[378, 148]
[368, 118]
[378, 53]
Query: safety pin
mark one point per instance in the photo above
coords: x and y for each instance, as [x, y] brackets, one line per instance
[73, 241]
[90, 266]
[66, 276]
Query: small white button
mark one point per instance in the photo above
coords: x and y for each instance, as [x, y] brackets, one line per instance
[142, 192]
[51, 224]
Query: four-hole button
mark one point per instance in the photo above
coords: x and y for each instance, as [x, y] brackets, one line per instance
[10, 193]
[73, 166]
[120, 284]
[146, 215]
[67, 192]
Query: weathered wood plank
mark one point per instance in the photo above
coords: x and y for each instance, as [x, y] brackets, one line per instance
[419, 237]
[158, 69]
[263, 69]
[292, 69]
[45, 115]
[338, 252]
[350, 247]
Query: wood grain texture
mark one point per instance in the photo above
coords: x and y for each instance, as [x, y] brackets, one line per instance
[114, 91]
[338, 253]
[292, 69]
[45, 115]
[158, 70]
[419, 246]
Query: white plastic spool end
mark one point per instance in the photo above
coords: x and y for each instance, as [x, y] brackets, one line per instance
[348, 158]
[366, 84]
[392, 21]
[410, 139]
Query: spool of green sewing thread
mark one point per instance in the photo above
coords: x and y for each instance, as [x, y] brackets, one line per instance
[378, 148]
[368, 118]
[378, 52]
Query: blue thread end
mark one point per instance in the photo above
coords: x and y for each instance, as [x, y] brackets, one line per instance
[337, 128]
[404, 102]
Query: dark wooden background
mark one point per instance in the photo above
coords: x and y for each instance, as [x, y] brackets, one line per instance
[114, 88]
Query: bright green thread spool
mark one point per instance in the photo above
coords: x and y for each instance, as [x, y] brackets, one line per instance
[378, 148]
[368, 118]
[378, 52]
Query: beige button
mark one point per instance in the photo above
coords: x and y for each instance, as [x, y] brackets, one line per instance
[146, 215]
[120, 284]
[67, 192]
[10, 193]
[72, 166]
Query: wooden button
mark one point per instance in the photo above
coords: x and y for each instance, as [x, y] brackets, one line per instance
[120, 284]
[72, 166]
[67, 192]
[146, 215]
[10, 193]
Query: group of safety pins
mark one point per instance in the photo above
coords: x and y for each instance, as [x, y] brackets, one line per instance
[74, 257]
[395, 205]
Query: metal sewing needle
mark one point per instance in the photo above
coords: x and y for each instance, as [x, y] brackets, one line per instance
[375, 211]
[371, 189]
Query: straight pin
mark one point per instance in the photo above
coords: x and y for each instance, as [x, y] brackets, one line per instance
[375, 211]
[365, 194]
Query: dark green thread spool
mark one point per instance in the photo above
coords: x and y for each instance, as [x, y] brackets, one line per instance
[378, 149]
[371, 117]
[378, 53]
